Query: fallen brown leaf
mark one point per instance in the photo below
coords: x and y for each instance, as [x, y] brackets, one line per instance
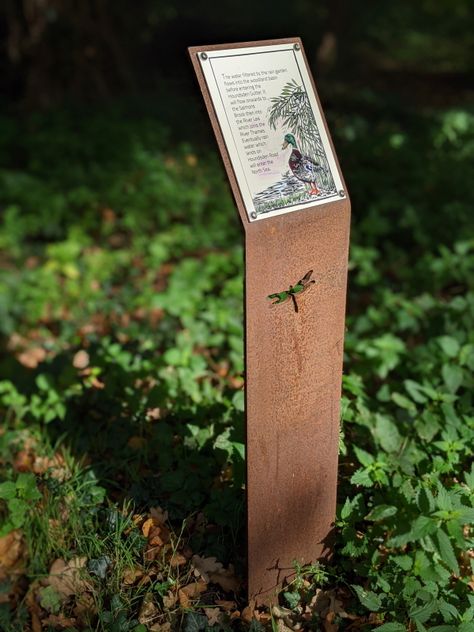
[23, 461]
[66, 577]
[328, 623]
[280, 612]
[130, 575]
[190, 592]
[226, 579]
[282, 627]
[159, 514]
[81, 360]
[152, 414]
[137, 443]
[85, 608]
[12, 554]
[146, 526]
[56, 466]
[59, 621]
[160, 627]
[177, 559]
[33, 606]
[169, 600]
[214, 616]
[248, 613]
[32, 357]
[206, 565]
[148, 611]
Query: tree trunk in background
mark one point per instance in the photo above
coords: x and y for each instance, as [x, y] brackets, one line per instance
[66, 49]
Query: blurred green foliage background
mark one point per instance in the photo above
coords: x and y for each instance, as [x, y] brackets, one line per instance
[121, 307]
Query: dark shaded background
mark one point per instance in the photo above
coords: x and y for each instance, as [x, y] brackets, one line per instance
[57, 51]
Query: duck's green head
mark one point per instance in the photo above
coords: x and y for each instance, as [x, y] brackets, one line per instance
[289, 140]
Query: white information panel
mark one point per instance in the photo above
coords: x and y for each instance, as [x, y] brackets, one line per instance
[272, 127]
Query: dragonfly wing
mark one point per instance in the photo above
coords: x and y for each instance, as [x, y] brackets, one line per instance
[306, 278]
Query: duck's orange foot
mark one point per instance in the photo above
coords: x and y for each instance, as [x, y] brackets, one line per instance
[314, 190]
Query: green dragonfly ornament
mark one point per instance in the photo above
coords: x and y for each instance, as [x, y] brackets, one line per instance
[302, 285]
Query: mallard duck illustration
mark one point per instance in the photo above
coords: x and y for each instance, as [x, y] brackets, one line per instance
[303, 167]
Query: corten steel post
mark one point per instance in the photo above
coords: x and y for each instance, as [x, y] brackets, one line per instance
[293, 376]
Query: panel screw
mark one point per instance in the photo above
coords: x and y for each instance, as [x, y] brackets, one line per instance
[341, 193]
[253, 215]
[296, 47]
[204, 56]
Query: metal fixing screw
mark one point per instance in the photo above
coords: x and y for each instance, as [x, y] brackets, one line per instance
[342, 193]
[204, 56]
[296, 46]
[253, 215]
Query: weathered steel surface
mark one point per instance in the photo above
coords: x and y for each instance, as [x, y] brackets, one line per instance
[293, 378]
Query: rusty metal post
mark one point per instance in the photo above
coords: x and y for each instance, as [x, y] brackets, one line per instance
[293, 373]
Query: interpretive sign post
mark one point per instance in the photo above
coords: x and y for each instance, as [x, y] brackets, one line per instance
[295, 211]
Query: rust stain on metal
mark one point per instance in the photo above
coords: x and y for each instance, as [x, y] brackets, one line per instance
[293, 369]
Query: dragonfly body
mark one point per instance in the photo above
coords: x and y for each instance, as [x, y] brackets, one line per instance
[299, 287]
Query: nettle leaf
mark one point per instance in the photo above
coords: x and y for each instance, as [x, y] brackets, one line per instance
[392, 627]
[425, 500]
[449, 345]
[364, 457]
[444, 500]
[421, 613]
[381, 512]
[453, 377]
[386, 434]
[466, 514]
[18, 510]
[26, 485]
[469, 478]
[238, 400]
[427, 425]
[7, 490]
[446, 551]
[350, 505]
[405, 562]
[362, 477]
[403, 402]
[423, 526]
[368, 599]
[415, 391]
[449, 612]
